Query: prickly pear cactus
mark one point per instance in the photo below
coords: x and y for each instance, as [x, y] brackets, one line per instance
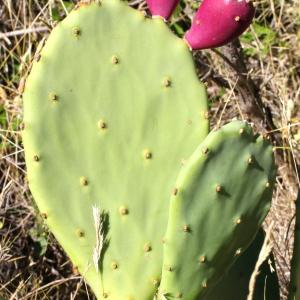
[222, 197]
[113, 112]
[112, 108]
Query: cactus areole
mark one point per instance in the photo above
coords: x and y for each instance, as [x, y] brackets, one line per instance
[217, 22]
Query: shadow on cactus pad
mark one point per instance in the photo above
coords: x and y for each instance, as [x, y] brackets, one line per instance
[235, 284]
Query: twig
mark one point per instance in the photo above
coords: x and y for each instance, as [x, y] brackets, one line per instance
[251, 103]
[56, 282]
[6, 35]
[263, 255]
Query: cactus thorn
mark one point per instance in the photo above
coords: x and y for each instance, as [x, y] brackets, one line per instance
[115, 60]
[36, 158]
[83, 181]
[178, 295]
[147, 247]
[205, 151]
[102, 124]
[114, 265]
[105, 295]
[250, 160]
[44, 215]
[242, 130]
[206, 115]
[237, 18]
[238, 252]
[169, 268]
[204, 284]
[80, 233]
[147, 154]
[267, 184]
[53, 97]
[76, 31]
[238, 221]
[218, 188]
[175, 191]
[123, 210]
[167, 82]
[202, 259]
[183, 162]
[186, 228]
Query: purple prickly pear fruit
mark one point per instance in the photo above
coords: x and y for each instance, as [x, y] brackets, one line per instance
[162, 8]
[218, 22]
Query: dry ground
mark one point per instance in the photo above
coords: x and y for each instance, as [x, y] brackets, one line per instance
[32, 265]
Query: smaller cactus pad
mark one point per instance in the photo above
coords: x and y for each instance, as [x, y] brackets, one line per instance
[222, 196]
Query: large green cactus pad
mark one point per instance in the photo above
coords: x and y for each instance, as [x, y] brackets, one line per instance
[111, 109]
[223, 195]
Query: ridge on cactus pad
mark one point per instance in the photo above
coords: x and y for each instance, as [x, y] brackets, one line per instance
[223, 194]
[112, 108]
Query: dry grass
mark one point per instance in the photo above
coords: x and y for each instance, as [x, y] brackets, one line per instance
[32, 265]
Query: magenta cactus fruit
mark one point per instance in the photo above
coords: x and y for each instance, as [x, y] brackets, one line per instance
[162, 8]
[218, 22]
